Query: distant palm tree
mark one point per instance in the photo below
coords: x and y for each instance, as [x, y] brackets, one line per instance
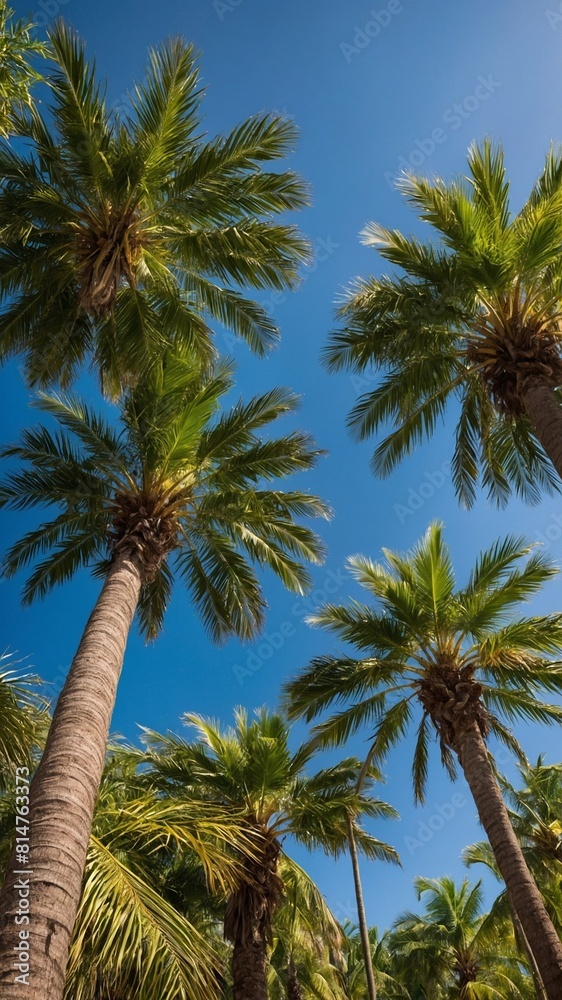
[354, 977]
[464, 659]
[473, 321]
[454, 948]
[180, 485]
[121, 231]
[346, 835]
[250, 768]
[17, 75]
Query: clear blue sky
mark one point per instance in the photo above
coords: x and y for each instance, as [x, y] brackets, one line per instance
[418, 82]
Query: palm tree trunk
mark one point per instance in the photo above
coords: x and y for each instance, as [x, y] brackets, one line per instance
[545, 413]
[249, 975]
[63, 794]
[525, 896]
[363, 926]
[294, 988]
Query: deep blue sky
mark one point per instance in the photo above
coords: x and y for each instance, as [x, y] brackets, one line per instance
[364, 103]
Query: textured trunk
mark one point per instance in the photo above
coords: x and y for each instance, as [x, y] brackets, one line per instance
[363, 926]
[294, 988]
[62, 797]
[249, 970]
[545, 413]
[523, 892]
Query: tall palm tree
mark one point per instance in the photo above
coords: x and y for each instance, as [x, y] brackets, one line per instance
[535, 810]
[473, 315]
[454, 948]
[464, 659]
[123, 230]
[18, 47]
[250, 767]
[179, 486]
[346, 835]
[130, 938]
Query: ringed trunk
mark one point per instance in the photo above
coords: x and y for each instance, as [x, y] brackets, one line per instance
[522, 890]
[362, 917]
[62, 797]
[545, 413]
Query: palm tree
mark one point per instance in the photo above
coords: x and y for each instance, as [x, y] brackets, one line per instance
[474, 316]
[346, 835]
[180, 486]
[250, 767]
[131, 938]
[465, 660]
[306, 944]
[535, 811]
[355, 979]
[122, 231]
[17, 75]
[454, 948]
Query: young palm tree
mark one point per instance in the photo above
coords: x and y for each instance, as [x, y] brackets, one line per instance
[121, 231]
[251, 768]
[473, 315]
[464, 659]
[180, 486]
[17, 76]
[455, 949]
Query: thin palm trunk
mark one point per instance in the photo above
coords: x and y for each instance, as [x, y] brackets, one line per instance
[545, 413]
[63, 794]
[521, 937]
[363, 926]
[524, 894]
[294, 988]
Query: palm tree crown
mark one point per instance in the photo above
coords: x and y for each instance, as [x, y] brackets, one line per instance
[475, 316]
[179, 481]
[461, 654]
[123, 230]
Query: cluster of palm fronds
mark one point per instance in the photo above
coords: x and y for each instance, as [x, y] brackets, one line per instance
[126, 241]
